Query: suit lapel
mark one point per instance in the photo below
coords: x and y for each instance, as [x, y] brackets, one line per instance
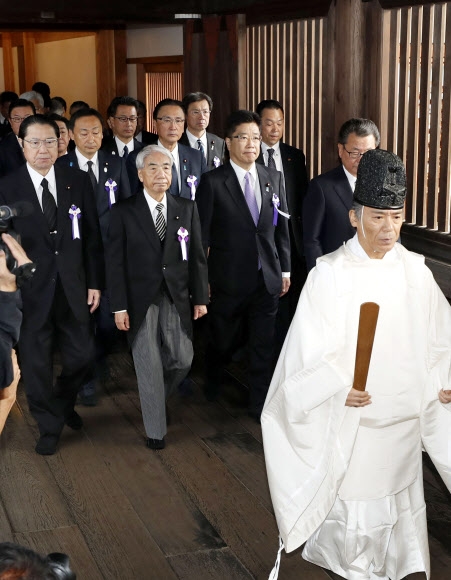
[174, 222]
[28, 192]
[65, 200]
[343, 189]
[267, 190]
[234, 188]
[212, 151]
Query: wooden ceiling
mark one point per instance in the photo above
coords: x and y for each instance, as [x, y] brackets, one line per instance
[106, 14]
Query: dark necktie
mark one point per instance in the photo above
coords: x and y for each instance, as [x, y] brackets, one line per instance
[125, 155]
[92, 176]
[200, 147]
[48, 205]
[160, 224]
[174, 189]
[271, 160]
[251, 200]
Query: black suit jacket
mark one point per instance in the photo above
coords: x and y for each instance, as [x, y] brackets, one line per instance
[296, 183]
[215, 148]
[192, 162]
[326, 214]
[109, 145]
[148, 138]
[110, 167]
[77, 262]
[11, 155]
[235, 242]
[10, 320]
[138, 263]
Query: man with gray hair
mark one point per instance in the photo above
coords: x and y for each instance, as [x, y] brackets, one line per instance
[36, 98]
[155, 265]
[329, 196]
[343, 453]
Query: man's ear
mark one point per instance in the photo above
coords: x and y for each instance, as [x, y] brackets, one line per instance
[109, 123]
[353, 218]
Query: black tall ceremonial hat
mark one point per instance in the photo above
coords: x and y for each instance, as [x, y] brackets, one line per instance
[381, 180]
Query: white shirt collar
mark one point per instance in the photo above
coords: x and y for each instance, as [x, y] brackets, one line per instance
[240, 172]
[193, 139]
[174, 152]
[357, 249]
[36, 178]
[350, 177]
[82, 160]
[276, 147]
[120, 145]
[153, 202]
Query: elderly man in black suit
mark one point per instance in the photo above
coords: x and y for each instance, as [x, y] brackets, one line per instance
[155, 264]
[11, 154]
[188, 164]
[330, 195]
[62, 237]
[248, 249]
[122, 120]
[198, 107]
[290, 161]
[109, 180]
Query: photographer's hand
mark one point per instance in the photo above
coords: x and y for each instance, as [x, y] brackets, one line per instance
[16, 250]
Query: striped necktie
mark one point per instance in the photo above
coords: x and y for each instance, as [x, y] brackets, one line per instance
[160, 224]
[271, 160]
[200, 147]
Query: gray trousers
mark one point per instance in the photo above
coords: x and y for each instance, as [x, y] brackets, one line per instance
[162, 353]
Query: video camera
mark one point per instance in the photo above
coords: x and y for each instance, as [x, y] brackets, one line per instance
[19, 209]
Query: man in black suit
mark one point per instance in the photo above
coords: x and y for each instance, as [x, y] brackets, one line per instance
[62, 237]
[109, 179]
[248, 256]
[11, 154]
[330, 195]
[122, 119]
[155, 262]
[188, 164]
[141, 135]
[6, 98]
[198, 107]
[290, 161]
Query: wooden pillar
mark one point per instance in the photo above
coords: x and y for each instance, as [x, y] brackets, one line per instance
[8, 63]
[29, 59]
[111, 67]
[215, 63]
[352, 86]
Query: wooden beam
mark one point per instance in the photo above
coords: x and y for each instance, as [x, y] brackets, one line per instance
[156, 59]
[46, 36]
[8, 63]
[111, 66]
[120, 62]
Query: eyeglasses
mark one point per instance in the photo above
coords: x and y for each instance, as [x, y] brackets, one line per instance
[246, 138]
[199, 112]
[36, 143]
[18, 119]
[170, 120]
[125, 119]
[354, 154]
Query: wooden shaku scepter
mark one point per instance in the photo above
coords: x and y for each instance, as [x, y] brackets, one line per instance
[369, 311]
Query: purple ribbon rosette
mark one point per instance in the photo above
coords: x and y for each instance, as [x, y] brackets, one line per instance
[183, 239]
[192, 182]
[111, 188]
[276, 205]
[75, 215]
[216, 161]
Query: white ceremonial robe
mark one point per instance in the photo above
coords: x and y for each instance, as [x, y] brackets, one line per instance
[356, 465]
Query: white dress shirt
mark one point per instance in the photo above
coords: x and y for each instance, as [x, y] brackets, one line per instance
[36, 178]
[350, 177]
[120, 146]
[83, 163]
[276, 156]
[152, 203]
[194, 144]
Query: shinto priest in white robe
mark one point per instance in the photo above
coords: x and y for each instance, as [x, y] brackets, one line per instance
[348, 480]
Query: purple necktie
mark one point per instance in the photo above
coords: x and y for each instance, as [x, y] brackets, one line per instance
[251, 200]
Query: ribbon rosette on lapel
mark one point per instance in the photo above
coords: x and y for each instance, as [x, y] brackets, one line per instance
[276, 205]
[216, 161]
[111, 188]
[192, 182]
[75, 215]
[183, 239]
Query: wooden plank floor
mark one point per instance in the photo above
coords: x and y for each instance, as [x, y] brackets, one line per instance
[199, 509]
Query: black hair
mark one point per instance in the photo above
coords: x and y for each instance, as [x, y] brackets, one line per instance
[268, 104]
[238, 118]
[21, 103]
[8, 97]
[89, 112]
[361, 127]
[56, 117]
[166, 103]
[196, 98]
[118, 101]
[37, 120]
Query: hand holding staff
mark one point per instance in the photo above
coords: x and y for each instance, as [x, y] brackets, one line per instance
[358, 397]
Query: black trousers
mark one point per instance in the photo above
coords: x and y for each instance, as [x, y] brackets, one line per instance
[233, 319]
[50, 403]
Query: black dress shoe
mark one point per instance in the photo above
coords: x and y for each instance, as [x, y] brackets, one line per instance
[74, 421]
[155, 443]
[47, 444]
